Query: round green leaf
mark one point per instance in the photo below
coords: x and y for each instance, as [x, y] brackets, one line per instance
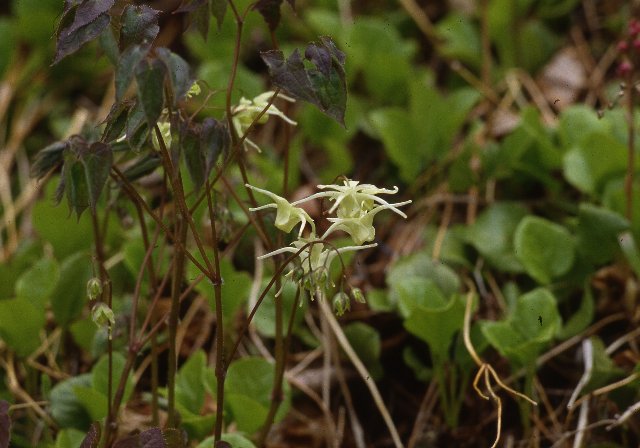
[492, 235]
[38, 282]
[546, 250]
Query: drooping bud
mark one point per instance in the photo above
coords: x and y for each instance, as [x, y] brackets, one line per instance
[358, 295]
[341, 303]
[623, 46]
[103, 316]
[94, 288]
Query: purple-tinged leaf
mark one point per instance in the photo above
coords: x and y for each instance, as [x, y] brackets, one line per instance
[193, 156]
[191, 5]
[116, 121]
[139, 25]
[202, 145]
[198, 15]
[127, 65]
[97, 161]
[150, 79]
[270, 10]
[88, 11]
[75, 181]
[145, 165]
[92, 439]
[174, 438]
[324, 86]
[152, 438]
[109, 45]
[219, 9]
[48, 158]
[180, 78]
[137, 131]
[5, 425]
[70, 40]
[214, 140]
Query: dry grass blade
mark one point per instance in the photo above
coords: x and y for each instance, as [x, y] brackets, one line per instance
[486, 372]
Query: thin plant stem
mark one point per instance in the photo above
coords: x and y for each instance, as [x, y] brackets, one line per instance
[110, 421]
[362, 370]
[176, 284]
[628, 182]
[134, 196]
[220, 367]
[281, 351]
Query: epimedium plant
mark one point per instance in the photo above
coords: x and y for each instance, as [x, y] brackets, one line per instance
[157, 125]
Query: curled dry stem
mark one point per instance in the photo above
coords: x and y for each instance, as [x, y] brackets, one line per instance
[487, 372]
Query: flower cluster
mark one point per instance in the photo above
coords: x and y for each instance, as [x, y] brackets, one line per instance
[247, 111]
[629, 49]
[354, 205]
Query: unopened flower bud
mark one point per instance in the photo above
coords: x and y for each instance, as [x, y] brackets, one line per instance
[623, 46]
[194, 90]
[624, 68]
[358, 295]
[94, 288]
[102, 315]
[341, 303]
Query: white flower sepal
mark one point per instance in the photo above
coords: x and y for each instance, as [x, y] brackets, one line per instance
[287, 215]
[353, 198]
[246, 111]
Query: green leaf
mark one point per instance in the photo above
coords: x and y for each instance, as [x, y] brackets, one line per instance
[180, 79]
[96, 160]
[372, 46]
[264, 319]
[248, 389]
[436, 324]
[531, 326]
[48, 158]
[270, 11]
[492, 235]
[70, 294]
[126, 68]
[235, 289]
[416, 291]
[20, 325]
[421, 265]
[596, 160]
[37, 283]
[150, 79]
[545, 249]
[582, 318]
[573, 122]
[597, 232]
[139, 25]
[52, 224]
[74, 184]
[100, 375]
[93, 401]
[324, 86]
[234, 439]
[630, 251]
[365, 341]
[83, 332]
[401, 140]
[69, 438]
[190, 382]
[461, 39]
[90, 20]
[66, 409]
